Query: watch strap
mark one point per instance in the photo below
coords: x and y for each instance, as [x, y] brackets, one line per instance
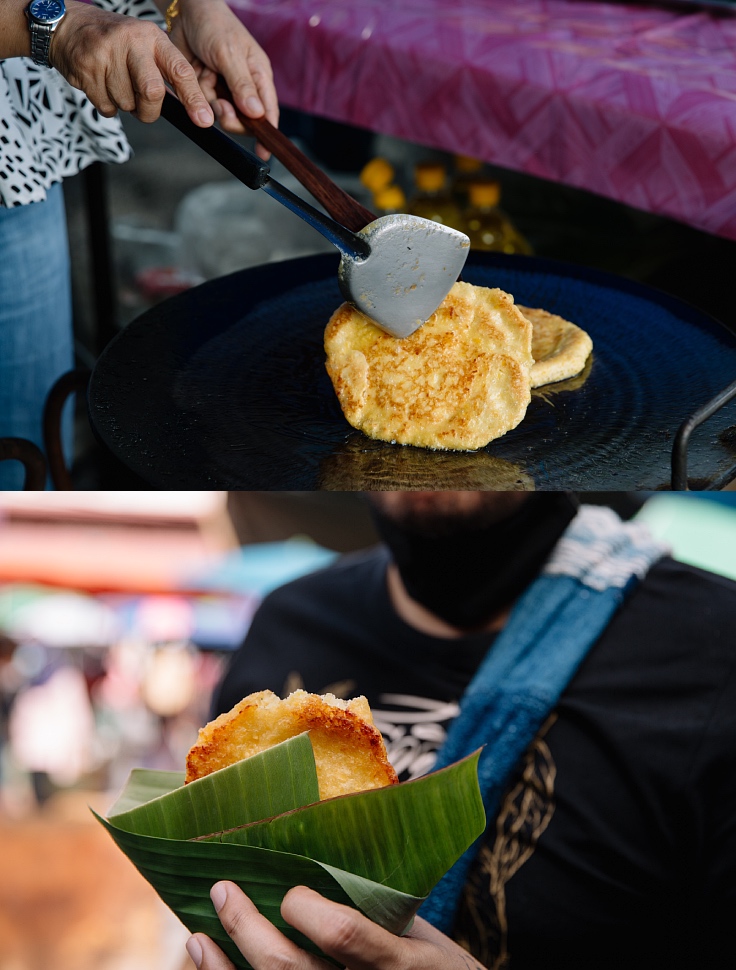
[41, 42]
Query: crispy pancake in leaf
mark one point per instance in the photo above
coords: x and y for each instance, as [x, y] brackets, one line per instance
[349, 751]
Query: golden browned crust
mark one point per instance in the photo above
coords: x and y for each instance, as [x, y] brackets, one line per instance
[459, 381]
[349, 751]
[559, 348]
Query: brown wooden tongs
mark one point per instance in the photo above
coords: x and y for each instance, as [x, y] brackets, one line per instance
[341, 206]
[338, 204]
[396, 269]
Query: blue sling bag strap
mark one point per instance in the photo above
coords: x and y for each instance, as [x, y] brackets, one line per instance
[594, 566]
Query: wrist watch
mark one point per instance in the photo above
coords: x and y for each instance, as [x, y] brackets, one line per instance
[44, 17]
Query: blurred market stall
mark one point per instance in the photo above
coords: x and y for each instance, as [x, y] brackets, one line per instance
[117, 613]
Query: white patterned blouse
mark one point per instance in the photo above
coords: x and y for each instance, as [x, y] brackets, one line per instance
[48, 129]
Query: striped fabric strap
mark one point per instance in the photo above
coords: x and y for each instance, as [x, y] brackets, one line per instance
[553, 625]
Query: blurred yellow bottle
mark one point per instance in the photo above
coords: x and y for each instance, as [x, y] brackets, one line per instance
[466, 170]
[388, 200]
[487, 226]
[432, 197]
[377, 174]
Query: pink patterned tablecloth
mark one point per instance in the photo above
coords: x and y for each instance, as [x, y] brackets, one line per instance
[634, 103]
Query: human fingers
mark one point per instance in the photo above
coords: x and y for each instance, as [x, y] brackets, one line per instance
[262, 945]
[180, 74]
[122, 62]
[254, 97]
[251, 84]
[236, 67]
[222, 42]
[355, 941]
[84, 51]
[208, 82]
[262, 75]
[120, 91]
[229, 118]
[178, 39]
[146, 83]
[207, 955]
[342, 932]
[230, 121]
[261, 80]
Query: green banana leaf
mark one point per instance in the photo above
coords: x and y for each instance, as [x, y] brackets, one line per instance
[422, 824]
[277, 780]
[182, 873]
[259, 824]
[144, 785]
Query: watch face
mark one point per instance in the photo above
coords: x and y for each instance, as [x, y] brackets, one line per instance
[46, 11]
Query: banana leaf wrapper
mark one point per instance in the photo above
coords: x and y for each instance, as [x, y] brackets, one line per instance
[260, 824]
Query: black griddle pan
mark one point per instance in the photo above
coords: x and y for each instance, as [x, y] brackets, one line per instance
[224, 387]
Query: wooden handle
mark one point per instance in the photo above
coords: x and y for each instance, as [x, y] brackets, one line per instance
[342, 207]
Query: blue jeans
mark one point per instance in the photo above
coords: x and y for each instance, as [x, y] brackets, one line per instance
[36, 342]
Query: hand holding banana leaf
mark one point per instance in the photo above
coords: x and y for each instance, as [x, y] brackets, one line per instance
[258, 829]
[339, 931]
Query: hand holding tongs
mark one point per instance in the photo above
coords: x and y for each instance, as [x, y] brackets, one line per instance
[395, 269]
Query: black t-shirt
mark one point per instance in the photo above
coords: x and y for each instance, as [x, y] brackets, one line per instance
[615, 845]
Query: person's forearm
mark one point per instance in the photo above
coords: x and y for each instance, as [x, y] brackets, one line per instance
[15, 37]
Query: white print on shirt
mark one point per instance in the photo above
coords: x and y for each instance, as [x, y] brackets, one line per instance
[50, 130]
[415, 734]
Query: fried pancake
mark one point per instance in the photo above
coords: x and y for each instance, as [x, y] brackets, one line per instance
[459, 381]
[349, 751]
[559, 348]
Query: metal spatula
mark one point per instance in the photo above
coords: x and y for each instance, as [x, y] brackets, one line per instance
[396, 270]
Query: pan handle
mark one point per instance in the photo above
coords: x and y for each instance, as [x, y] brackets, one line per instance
[244, 165]
[682, 438]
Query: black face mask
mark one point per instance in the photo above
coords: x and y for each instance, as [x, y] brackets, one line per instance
[466, 577]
